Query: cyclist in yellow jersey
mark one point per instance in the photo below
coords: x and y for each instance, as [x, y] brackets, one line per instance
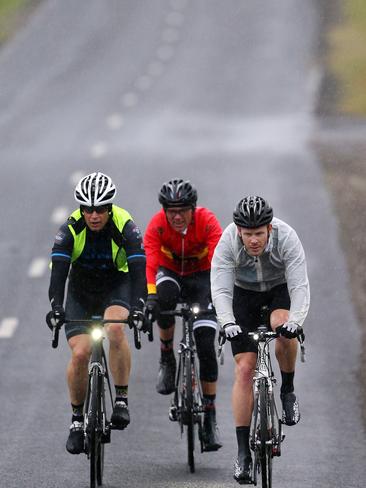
[103, 247]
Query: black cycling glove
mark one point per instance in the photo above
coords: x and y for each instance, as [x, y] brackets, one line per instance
[55, 317]
[152, 306]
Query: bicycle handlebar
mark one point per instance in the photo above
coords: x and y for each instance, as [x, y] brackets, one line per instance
[136, 330]
[264, 334]
[186, 311]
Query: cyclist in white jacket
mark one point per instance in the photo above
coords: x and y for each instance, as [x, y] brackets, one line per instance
[259, 261]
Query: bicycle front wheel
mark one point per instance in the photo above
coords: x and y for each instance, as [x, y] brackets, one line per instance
[188, 407]
[265, 436]
[95, 429]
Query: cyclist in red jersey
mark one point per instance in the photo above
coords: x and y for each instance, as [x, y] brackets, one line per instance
[179, 243]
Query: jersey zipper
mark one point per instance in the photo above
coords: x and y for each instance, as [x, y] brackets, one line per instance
[182, 257]
[258, 266]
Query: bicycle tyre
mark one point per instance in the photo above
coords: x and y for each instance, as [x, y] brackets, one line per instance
[94, 430]
[100, 464]
[255, 435]
[189, 410]
[265, 434]
[100, 453]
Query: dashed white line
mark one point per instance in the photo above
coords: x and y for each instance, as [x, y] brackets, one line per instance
[155, 68]
[59, 215]
[7, 327]
[170, 35]
[76, 177]
[115, 121]
[165, 52]
[143, 83]
[174, 18]
[98, 150]
[37, 267]
[178, 4]
[130, 99]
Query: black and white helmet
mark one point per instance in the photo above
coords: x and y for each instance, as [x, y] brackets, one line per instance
[95, 190]
[252, 212]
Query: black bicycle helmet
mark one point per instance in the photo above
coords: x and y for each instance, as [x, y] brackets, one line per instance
[178, 193]
[252, 212]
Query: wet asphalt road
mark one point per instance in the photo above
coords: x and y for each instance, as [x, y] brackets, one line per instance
[218, 92]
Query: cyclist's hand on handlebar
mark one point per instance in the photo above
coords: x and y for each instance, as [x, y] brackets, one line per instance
[137, 317]
[290, 330]
[152, 306]
[55, 317]
[231, 331]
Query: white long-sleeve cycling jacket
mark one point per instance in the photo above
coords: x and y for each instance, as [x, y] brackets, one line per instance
[283, 261]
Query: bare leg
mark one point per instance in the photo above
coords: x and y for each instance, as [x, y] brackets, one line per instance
[119, 349]
[286, 349]
[242, 395]
[77, 370]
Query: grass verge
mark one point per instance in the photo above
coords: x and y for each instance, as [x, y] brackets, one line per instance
[12, 15]
[347, 57]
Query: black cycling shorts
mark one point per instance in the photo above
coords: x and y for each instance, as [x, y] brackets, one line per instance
[85, 305]
[247, 306]
[172, 288]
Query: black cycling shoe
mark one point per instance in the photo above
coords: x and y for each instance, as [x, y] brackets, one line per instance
[290, 409]
[243, 471]
[75, 441]
[210, 433]
[121, 416]
[166, 376]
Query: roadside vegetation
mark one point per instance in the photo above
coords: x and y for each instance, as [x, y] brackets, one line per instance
[12, 15]
[347, 57]
[342, 154]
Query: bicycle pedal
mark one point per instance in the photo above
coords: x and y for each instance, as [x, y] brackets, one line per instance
[106, 436]
[173, 414]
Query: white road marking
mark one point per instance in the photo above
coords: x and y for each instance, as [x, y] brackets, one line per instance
[174, 18]
[76, 177]
[155, 68]
[165, 52]
[143, 83]
[59, 215]
[170, 35]
[37, 267]
[115, 121]
[98, 150]
[130, 99]
[7, 327]
[178, 4]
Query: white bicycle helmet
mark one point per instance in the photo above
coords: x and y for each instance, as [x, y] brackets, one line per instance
[95, 190]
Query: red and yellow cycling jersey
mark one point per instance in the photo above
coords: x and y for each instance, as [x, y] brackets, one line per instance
[184, 253]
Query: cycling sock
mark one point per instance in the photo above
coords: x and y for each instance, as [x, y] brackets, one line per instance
[242, 437]
[166, 348]
[209, 402]
[287, 382]
[121, 393]
[77, 413]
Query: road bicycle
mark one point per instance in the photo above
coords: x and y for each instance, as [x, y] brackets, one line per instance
[266, 434]
[98, 405]
[187, 405]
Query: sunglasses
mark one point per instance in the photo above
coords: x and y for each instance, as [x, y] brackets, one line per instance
[172, 212]
[90, 210]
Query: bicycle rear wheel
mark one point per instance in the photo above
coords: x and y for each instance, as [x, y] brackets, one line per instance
[95, 429]
[265, 454]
